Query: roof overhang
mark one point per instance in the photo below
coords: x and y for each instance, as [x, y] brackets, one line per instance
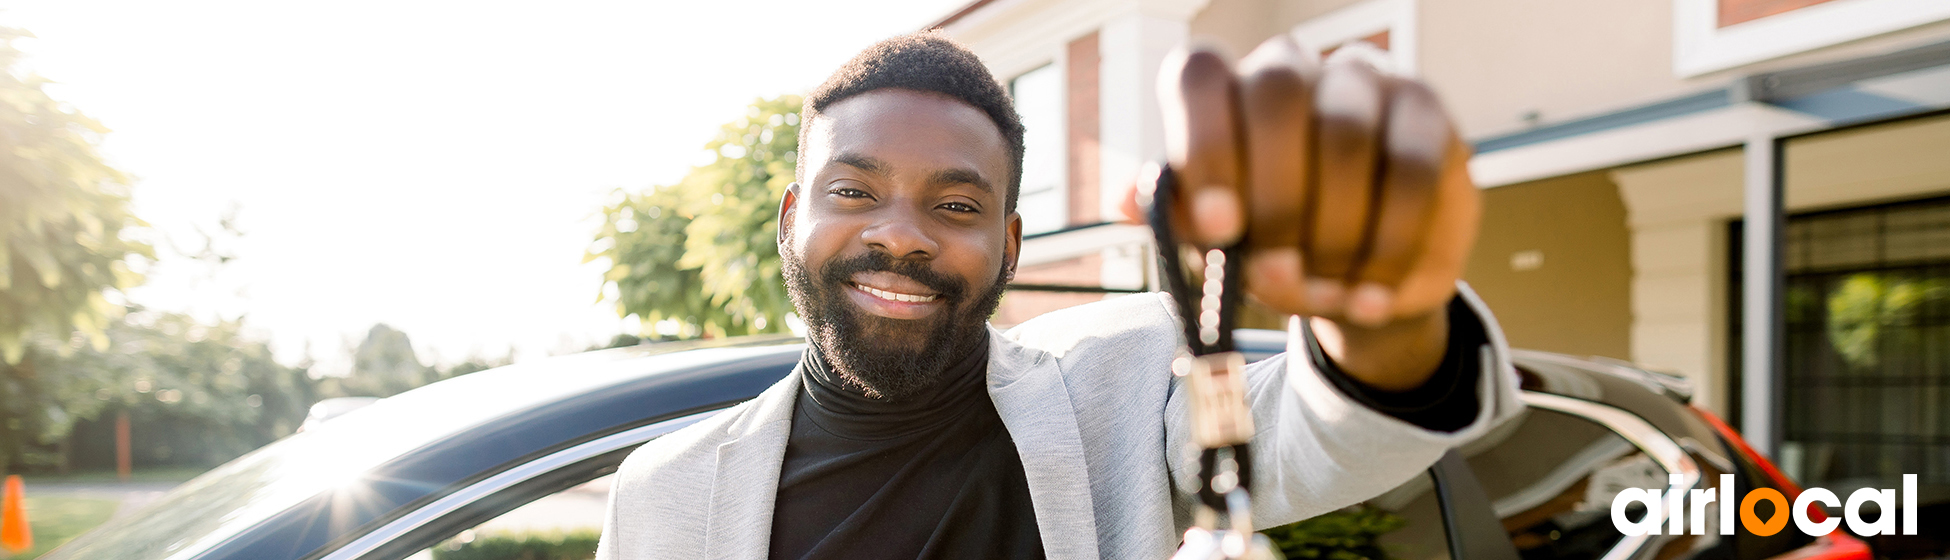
[1772, 104]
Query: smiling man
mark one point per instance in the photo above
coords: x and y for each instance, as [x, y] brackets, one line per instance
[912, 428]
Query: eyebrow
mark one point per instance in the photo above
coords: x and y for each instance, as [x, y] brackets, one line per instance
[868, 164]
[953, 176]
[961, 176]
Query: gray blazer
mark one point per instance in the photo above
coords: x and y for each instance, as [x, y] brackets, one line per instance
[1089, 398]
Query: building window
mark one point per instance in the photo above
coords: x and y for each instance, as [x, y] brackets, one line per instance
[1712, 35]
[1044, 204]
[1867, 381]
[1388, 25]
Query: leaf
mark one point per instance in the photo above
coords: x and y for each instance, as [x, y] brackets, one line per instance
[701, 250]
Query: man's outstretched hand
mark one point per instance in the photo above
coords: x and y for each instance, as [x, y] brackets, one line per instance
[1348, 186]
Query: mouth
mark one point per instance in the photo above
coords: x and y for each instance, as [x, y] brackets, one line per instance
[893, 296]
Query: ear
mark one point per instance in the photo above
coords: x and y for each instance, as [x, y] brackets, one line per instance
[785, 212]
[1012, 252]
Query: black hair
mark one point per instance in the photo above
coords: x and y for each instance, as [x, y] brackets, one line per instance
[926, 61]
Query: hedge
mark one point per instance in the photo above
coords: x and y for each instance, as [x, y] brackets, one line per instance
[552, 545]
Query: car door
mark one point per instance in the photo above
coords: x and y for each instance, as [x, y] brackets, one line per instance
[1541, 486]
[564, 479]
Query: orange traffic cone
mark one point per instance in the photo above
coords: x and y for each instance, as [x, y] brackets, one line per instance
[15, 535]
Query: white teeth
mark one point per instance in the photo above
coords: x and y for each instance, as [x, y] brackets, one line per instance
[896, 296]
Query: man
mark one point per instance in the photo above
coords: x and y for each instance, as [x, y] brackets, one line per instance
[913, 429]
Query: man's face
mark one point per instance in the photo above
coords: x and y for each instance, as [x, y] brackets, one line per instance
[897, 242]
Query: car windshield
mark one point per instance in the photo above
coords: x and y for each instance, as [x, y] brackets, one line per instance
[219, 504]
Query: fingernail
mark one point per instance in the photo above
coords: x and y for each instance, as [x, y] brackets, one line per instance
[1370, 304]
[1279, 267]
[1324, 295]
[1216, 214]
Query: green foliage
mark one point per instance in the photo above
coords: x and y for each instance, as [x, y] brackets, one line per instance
[1348, 534]
[385, 365]
[704, 252]
[63, 213]
[572, 545]
[59, 519]
[1864, 303]
[209, 383]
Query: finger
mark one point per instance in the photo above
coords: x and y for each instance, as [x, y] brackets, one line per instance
[1451, 232]
[1132, 211]
[1415, 142]
[1347, 105]
[1202, 141]
[1276, 101]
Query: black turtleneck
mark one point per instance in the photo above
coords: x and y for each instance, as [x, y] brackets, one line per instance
[934, 476]
[937, 476]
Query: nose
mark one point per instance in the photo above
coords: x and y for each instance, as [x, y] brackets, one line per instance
[902, 235]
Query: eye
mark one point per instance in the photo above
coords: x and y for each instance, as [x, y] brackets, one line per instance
[962, 207]
[850, 192]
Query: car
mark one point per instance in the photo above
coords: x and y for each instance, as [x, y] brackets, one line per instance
[417, 473]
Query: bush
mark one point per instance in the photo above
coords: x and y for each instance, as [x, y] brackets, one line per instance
[552, 545]
[1349, 534]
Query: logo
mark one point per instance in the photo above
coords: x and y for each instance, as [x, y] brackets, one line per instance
[1680, 510]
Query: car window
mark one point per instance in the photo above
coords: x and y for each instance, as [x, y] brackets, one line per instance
[1402, 524]
[1551, 479]
[563, 525]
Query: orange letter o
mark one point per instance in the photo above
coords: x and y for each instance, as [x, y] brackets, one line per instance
[1752, 522]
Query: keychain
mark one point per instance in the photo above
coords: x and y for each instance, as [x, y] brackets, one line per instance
[1215, 377]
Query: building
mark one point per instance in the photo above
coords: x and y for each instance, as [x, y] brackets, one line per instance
[1637, 156]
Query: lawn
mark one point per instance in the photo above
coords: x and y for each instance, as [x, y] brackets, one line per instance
[57, 520]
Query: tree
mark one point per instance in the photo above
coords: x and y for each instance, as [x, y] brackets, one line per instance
[385, 365]
[63, 213]
[703, 252]
[202, 393]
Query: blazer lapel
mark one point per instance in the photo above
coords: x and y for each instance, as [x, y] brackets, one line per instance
[747, 479]
[1030, 396]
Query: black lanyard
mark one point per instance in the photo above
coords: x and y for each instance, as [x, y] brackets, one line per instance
[1208, 302]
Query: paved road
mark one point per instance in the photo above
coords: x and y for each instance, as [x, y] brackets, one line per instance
[133, 495]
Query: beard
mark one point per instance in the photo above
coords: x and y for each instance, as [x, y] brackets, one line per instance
[888, 359]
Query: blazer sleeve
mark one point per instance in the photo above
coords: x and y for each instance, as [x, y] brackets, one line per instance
[609, 545]
[1317, 448]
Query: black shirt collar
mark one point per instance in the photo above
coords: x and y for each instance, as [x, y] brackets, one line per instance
[846, 411]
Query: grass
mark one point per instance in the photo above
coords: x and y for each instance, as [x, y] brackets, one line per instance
[57, 520]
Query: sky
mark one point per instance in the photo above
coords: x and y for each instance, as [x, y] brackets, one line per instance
[435, 166]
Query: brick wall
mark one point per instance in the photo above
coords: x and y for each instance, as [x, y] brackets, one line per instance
[1021, 305]
[1082, 113]
[1742, 11]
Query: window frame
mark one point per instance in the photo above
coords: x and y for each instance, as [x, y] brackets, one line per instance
[1701, 46]
[1058, 191]
[1353, 23]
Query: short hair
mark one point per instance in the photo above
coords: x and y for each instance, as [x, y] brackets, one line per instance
[926, 61]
